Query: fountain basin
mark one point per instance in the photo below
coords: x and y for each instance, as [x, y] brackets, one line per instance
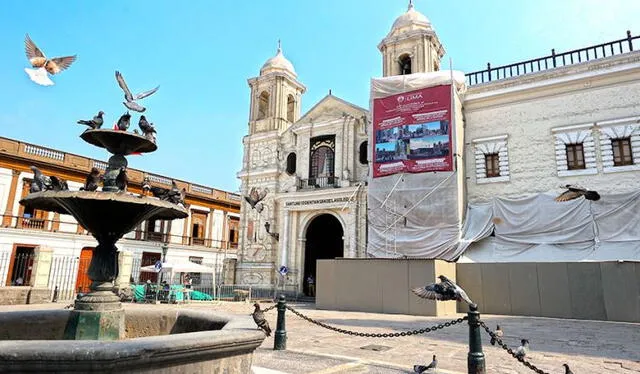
[118, 142]
[157, 341]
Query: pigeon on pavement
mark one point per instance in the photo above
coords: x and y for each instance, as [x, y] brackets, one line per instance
[523, 349]
[445, 290]
[566, 369]
[44, 66]
[130, 100]
[422, 368]
[498, 334]
[258, 318]
[574, 192]
[94, 123]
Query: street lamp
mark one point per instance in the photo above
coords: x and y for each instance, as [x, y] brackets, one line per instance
[165, 249]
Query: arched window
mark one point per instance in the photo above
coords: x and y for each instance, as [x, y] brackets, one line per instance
[405, 64]
[291, 163]
[263, 105]
[291, 105]
[363, 152]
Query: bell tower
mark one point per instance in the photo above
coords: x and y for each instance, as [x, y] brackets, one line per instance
[411, 46]
[275, 96]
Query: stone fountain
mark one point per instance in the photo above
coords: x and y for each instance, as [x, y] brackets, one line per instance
[98, 335]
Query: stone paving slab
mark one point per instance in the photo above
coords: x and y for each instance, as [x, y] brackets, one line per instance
[588, 346]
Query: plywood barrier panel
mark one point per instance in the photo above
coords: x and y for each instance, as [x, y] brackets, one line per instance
[469, 277]
[447, 269]
[523, 289]
[553, 284]
[394, 281]
[325, 284]
[358, 287]
[585, 286]
[619, 288]
[495, 288]
[421, 272]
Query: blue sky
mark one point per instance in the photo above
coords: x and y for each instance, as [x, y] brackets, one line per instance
[201, 55]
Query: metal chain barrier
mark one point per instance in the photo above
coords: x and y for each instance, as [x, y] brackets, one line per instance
[378, 335]
[510, 351]
[270, 308]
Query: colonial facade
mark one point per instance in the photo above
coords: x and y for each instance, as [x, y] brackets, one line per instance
[529, 127]
[208, 236]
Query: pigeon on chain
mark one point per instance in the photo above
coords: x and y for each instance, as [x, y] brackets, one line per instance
[94, 123]
[422, 368]
[445, 290]
[258, 318]
[44, 66]
[498, 333]
[91, 183]
[574, 192]
[130, 100]
[523, 349]
[566, 369]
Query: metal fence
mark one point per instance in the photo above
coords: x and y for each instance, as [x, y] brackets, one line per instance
[69, 276]
[15, 269]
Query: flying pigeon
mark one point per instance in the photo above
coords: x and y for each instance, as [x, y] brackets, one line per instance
[574, 192]
[94, 123]
[523, 349]
[258, 318]
[255, 197]
[91, 183]
[498, 334]
[445, 290]
[566, 369]
[130, 100]
[122, 180]
[147, 129]
[44, 66]
[422, 368]
[58, 184]
[40, 181]
[123, 122]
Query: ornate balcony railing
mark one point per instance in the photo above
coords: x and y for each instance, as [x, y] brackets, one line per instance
[554, 60]
[318, 182]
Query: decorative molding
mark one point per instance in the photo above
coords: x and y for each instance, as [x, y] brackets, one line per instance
[617, 129]
[491, 139]
[583, 126]
[490, 145]
[575, 134]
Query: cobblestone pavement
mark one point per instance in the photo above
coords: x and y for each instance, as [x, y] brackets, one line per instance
[588, 346]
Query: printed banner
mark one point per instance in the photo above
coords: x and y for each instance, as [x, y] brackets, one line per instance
[412, 132]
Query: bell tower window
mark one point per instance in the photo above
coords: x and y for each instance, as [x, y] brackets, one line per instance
[291, 105]
[405, 64]
[263, 105]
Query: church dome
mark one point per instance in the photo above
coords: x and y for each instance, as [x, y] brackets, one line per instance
[277, 63]
[411, 20]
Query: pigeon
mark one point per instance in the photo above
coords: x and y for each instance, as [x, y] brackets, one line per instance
[498, 333]
[130, 100]
[58, 184]
[147, 129]
[176, 195]
[122, 180]
[574, 192]
[146, 186]
[523, 349]
[255, 197]
[566, 369]
[258, 317]
[123, 122]
[44, 66]
[422, 368]
[159, 192]
[40, 181]
[91, 183]
[445, 290]
[94, 123]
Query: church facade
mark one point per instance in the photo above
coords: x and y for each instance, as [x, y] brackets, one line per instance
[527, 130]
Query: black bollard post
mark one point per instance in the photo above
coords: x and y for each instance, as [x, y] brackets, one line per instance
[55, 295]
[280, 339]
[475, 358]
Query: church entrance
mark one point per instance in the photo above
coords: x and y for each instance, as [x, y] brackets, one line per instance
[323, 241]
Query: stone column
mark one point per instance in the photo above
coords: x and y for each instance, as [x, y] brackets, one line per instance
[285, 239]
[353, 230]
[7, 219]
[41, 267]
[125, 267]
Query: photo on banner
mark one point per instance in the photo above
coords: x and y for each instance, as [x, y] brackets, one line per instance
[412, 132]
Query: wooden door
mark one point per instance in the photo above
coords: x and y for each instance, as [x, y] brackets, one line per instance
[149, 258]
[82, 280]
[20, 265]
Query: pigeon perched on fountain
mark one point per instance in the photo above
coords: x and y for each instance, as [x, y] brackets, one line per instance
[40, 181]
[258, 318]
[44, 66]
[58, 184]
[94, 123]
[146, 186]
[122, 181]
[422, 368]
[148, 131]
[445, 290]
[175, 194]
[574, 192]
[123, 122]
[130, 99]
[92, 181]
[567, 370]
[523, 349]
[498, 333]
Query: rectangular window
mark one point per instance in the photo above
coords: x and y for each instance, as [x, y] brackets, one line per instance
[492, 165]
[575, 157]
[622, 154]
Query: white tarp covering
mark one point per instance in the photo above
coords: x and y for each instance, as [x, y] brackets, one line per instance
[413, 215]
[539, 229]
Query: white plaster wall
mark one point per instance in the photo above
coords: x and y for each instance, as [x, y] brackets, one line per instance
[5, 185]
[532, 152]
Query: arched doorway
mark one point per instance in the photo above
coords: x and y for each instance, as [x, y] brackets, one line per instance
[323, 241]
